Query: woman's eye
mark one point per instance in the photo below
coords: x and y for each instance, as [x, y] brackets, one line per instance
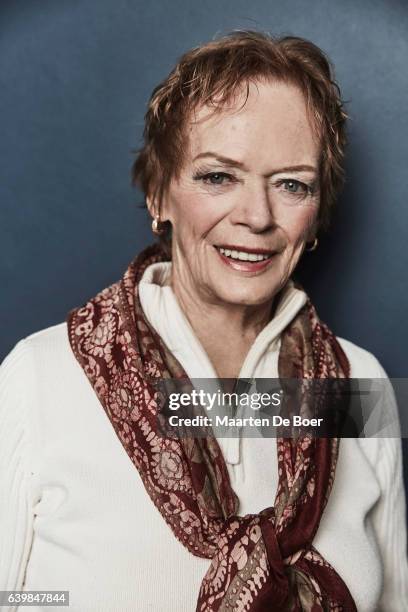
[216, 178]
[296, 187]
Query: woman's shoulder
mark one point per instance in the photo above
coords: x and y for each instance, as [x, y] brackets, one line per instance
[382, 425]
[42, 353]
[52, 336]
[363, 364]
[31, 367]
[41, 382]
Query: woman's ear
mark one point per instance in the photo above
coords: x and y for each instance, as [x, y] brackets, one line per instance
[151, 207]
[156, 206]
[313, 229]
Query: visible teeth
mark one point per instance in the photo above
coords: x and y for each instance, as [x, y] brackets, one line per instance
[254, 257]
[242, 255]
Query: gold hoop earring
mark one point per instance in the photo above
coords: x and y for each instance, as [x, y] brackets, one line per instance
[157, 226]
[314, 245]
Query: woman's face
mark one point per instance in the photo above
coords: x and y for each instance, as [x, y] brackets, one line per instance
[246, 199]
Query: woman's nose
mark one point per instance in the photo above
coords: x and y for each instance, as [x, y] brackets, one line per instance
[254, 209]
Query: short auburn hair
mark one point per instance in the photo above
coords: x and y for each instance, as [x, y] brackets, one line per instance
[212, 74]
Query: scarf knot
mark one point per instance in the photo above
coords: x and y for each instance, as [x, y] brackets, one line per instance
[247, 555]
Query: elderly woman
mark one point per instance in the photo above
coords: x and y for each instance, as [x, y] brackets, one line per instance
[242, 161]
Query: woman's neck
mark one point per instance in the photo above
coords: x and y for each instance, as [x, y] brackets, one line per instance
[226, 331]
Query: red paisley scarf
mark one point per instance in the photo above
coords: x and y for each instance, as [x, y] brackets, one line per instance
[259, 562]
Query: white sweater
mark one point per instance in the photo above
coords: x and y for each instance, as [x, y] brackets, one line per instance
[74, 514]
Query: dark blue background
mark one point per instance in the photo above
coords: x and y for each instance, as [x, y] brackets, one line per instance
[75, 76]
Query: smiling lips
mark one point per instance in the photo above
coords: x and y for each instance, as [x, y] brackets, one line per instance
[245, 259]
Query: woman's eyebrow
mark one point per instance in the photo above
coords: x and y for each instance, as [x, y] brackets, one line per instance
[237, 164]
[220, 158]
[297, 168]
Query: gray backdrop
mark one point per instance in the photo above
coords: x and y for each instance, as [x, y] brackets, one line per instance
[75, 76]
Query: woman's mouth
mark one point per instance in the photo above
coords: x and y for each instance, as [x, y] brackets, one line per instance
[245, 259]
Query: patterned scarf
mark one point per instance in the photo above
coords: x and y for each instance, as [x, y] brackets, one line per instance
[259, 562]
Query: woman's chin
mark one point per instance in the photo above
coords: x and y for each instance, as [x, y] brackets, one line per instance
[237, 294]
